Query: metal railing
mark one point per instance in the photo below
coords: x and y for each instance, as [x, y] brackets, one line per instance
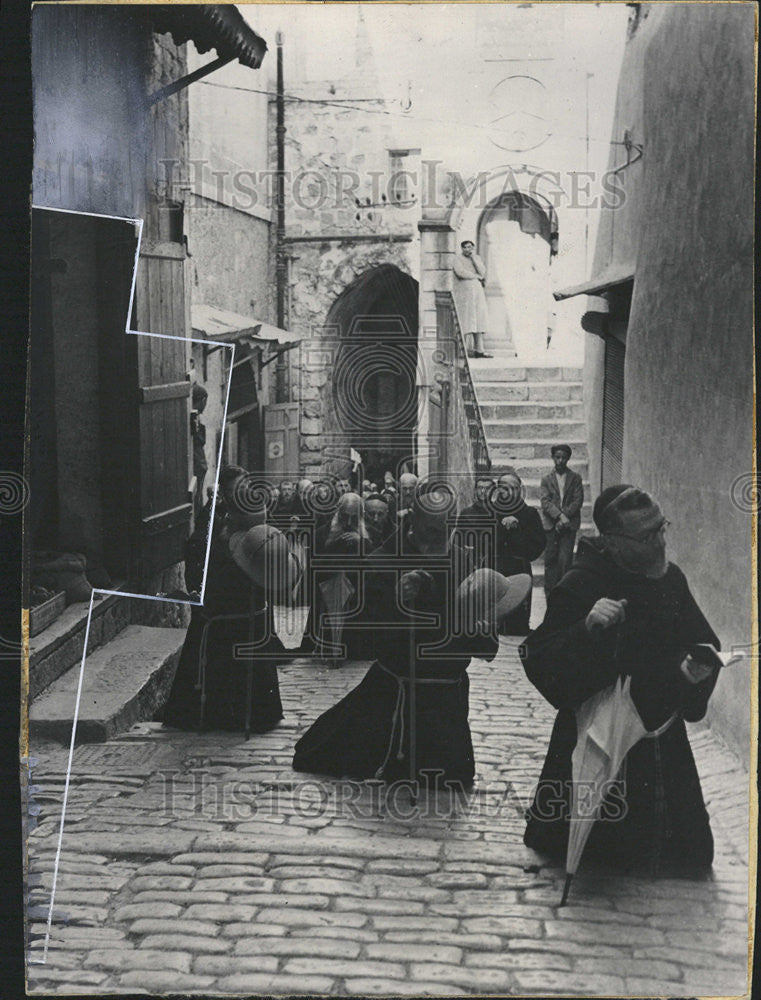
[448, 329]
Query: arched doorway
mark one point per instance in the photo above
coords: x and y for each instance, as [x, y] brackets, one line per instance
[516, 237]
[372, 405]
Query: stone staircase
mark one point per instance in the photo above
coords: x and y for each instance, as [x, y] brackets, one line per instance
[525, 410]
[128, 671]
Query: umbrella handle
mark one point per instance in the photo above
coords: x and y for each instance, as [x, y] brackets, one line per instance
[566, 890]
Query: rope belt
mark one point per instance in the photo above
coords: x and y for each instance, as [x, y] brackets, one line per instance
[398, 713]
[661, 729]
[203, 652]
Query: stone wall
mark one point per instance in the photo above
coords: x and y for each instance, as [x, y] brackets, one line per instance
[98, 150]
[334, 155]
[689, 360]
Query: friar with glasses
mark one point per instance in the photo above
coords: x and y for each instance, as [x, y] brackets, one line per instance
[479, 512]
[623, 611]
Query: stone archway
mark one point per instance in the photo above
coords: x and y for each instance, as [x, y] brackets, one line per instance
[371, 401]
[515, 236]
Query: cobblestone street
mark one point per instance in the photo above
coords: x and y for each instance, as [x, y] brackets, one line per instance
[204, 863]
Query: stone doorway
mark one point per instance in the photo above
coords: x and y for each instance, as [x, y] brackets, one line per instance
[372, 404]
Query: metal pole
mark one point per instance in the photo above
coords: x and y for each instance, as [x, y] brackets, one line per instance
[280, 188]
[197, 74]
[413, 714]
[281, 263]
[586, 208]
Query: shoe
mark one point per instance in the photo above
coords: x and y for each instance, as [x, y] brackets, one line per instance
[480, 354]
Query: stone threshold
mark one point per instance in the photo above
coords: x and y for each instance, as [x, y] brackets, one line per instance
[60, 645]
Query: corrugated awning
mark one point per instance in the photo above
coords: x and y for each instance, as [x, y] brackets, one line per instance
[210, 26]
[225, 326]
[614, 276]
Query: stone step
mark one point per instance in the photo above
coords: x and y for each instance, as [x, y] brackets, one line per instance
[490, 370]
[510, 392]
[540, 430]
[60, 645]
[528, 468]
[532, 448]
[536, 409]
[126, 681]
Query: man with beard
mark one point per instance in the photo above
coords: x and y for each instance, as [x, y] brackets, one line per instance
[286, 505]
[623, 610]
[520, 538]
[377, 520]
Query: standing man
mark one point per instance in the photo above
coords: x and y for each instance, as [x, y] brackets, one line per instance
[468, 290]
[479, 511]
[198, 435]
[407, 486]
[520, 539]
[561, 496]
[377, 520]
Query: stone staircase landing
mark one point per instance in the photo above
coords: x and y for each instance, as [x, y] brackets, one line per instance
[525, 410]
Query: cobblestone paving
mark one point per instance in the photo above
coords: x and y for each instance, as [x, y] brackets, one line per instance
[202, 863]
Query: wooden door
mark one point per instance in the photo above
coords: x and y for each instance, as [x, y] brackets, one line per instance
[281, 439]
[163, 391]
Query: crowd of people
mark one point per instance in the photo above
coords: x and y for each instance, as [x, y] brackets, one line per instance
[393, 573]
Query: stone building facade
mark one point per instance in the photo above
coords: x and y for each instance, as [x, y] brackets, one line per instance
[339, 151]
[669, 369]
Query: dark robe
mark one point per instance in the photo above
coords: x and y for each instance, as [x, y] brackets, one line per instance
[509, 552]
[366, 735]
[195, 546]
[515, 550]
[228, 592]
[318, 629]
[665, 826]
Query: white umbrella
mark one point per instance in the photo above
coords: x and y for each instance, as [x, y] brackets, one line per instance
[608, 725]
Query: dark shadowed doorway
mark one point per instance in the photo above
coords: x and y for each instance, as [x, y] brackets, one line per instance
[373, 399]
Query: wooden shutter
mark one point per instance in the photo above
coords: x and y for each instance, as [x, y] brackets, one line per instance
[613, 412]
[281, 437]
[164, 413]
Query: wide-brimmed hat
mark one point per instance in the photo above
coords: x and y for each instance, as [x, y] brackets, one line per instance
[487, 594]
[264, 555]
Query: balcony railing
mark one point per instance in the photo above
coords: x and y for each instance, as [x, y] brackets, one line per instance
[464, 401]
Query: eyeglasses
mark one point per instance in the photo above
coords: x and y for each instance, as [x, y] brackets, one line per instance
[647, 539]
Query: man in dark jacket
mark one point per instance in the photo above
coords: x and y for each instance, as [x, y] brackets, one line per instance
[519, 539]
[561, 496]
[480, 511]
[624, 610]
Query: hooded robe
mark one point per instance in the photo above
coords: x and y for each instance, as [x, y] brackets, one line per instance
[366, 735]
[655, 817]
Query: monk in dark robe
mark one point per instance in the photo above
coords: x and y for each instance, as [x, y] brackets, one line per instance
[624, 610]
[520, 539]
[209, 690]
[408, 593]
[505, 534]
